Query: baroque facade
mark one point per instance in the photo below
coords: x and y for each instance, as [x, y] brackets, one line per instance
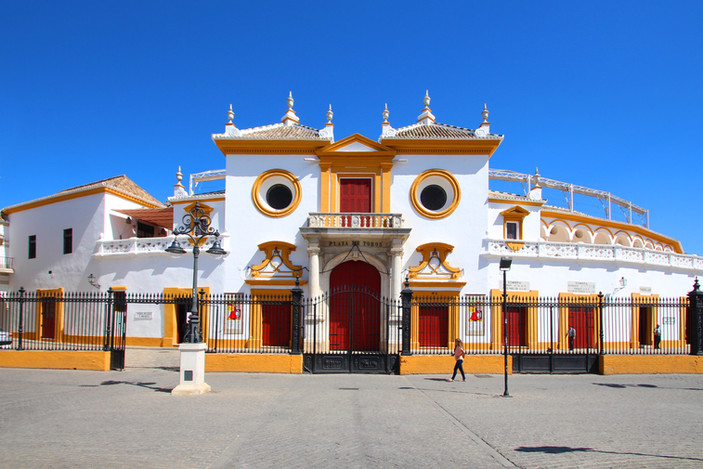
[299, 207]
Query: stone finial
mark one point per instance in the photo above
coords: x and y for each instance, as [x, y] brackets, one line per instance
[484, 129]
[426, 116]
[484, 114]
[230, 115]
[290, 118]
[385, 114]
[178, 189]
[330, 115]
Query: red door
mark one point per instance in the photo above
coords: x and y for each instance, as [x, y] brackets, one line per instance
[581, 318]
[517, 316]
[355, 287]
[355, 196]
[48, 318]
[275, 324]
[433, 325]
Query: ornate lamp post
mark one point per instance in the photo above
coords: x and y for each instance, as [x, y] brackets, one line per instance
[505, 263]
[196, 226]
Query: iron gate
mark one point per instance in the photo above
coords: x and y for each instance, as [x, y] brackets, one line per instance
[351, 330]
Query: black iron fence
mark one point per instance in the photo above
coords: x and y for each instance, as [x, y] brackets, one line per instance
[289, 323]
[578, 325]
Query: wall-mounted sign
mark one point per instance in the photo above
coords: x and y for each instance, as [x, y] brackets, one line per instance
[143, 316]
[583, 288]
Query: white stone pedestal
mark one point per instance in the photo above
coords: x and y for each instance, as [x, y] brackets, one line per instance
[192, 369]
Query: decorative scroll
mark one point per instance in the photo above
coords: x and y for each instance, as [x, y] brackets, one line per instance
[434, 265]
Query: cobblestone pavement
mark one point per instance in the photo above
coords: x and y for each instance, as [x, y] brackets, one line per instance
[62, 419]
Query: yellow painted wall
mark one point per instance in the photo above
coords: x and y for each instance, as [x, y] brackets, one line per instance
[254, 363]
[85, 360]
[432, 364]
[627, 364]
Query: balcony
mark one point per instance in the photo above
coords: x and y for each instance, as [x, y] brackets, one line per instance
[6, 265]
[595, 252]
[353, 225]
[139, 246]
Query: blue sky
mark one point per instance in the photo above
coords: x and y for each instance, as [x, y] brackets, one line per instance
[606, 95]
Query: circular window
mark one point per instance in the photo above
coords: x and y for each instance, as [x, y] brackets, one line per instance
[435, 193]
[276, 193]
[279, 196]
[433, 197]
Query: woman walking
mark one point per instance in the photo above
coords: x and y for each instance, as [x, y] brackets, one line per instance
[459, 355]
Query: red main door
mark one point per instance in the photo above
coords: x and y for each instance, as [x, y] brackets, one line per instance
[355, 289]
[355, 195]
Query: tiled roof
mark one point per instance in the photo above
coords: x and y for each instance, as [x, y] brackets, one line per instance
[279, 131]
[157, 216]
[440, 132]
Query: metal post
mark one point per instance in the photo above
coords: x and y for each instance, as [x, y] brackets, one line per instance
[406, 297]
[20, 327]
[106, 345]
[297, 298]
[695, 318]
[600, 319]
[505, 331]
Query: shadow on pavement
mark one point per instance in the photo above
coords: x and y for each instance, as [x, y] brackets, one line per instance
[568, 449]
[139, 384]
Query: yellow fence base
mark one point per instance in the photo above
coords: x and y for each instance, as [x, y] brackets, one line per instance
[56, 360]
[432, 364]
[254, 363]
[643, 364]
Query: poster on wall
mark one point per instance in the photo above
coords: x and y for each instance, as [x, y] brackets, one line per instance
[233, 313]
[475, 323]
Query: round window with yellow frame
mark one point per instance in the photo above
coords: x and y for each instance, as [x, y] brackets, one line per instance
[276, 193]
[435, 193]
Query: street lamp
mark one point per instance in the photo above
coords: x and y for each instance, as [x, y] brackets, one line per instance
[505, 263]
[196, 226]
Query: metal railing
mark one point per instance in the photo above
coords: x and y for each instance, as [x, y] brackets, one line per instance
[601, 325]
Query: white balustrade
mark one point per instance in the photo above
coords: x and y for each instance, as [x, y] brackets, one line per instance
[594, 252]
[355, 220]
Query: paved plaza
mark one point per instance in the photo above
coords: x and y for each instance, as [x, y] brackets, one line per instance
[70, 419]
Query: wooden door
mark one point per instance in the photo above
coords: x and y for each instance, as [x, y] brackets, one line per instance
[48, 318]
[355, 325]
[433, 325]
[355, 197]
[582, 319]
[276, 323]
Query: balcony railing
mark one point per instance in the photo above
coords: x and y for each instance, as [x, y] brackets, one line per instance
[138, 246]
[595, 252]
[353, 220]
[6, 263]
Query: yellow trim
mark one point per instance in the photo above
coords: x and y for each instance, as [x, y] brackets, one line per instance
[417, 205]
[269, 147]
[434, 364]
[288, 283]
[647, 364]
[119, 288]
[279, 249]
[58, 313]
[375, 164]
[261, 207]
[603, 223]
[170, 338]
[566, 300]
[256, 339]
[64, 197]
[639, 300]
[530, 298]
[443, 147]
[254, 363]
[55, 360]
[428, 250]
[420, 284]
[517, 215]
[448, 297]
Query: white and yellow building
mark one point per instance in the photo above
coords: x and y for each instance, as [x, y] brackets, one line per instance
[414, 203]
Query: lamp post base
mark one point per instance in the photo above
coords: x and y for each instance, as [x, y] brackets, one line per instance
[192, 370]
